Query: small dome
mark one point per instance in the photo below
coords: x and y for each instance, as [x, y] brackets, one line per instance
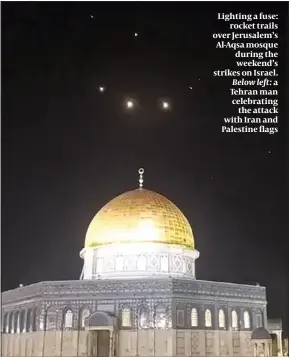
[139, 216]
[260, 333]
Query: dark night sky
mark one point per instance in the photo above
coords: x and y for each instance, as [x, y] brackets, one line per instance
[67, 149]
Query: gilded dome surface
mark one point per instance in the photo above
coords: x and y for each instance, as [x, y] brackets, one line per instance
[139, 216]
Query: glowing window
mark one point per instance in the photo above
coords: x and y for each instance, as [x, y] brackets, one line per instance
[5, 323]
[180, 318]
[99, 265]
[222, 319]
[234, 320]
[164, 263]
[17, 322]
[84, 315]
[144, 317]
[141, 262]
[22, 321]
[161, 317]
[208, 318]
[11, 323]
[119, 263]
[34, 319]
[194, 317]
[68, 319]
[126, 317]
[259, 319]
[51, 319]
[29, 321]
[247, 323]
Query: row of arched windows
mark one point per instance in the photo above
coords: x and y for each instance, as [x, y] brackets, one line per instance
[26, 320]
[222, 323]
[52, 315]
[17, 322]
[20, 321]
[160, 317]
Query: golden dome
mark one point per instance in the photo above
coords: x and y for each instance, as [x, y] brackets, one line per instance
[139, 216]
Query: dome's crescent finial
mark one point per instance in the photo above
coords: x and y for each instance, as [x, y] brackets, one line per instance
[140, 180]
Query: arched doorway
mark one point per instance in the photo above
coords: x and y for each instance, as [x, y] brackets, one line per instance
[102, 335]
[274, 344]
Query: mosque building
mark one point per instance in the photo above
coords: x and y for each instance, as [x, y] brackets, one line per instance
[138, 295]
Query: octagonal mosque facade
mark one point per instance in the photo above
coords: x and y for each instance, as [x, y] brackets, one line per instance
[138, 295]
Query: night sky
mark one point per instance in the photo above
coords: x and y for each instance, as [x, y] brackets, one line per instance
[68, 149]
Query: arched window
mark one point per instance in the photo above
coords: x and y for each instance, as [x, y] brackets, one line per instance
[2, 321]
[119, 263]
[68, 319]
[164, 263]
[247, 322]
[5, 323]
[143, 317]
[141, 262]
[194, 317]
[222, 322]
[51, 318]
[11, 323]
[85, 313]
[126, 317]
[34, 319]
[234, 320]
[29, 321]
[16, 322]
[99, 265]
[22, 321]
[161, 316]
[259, 319]
[208, 318]
[180, 317]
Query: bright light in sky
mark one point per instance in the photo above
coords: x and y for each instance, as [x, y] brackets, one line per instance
[129, 104]
[101, 88]
[135, 34]
[165, 105]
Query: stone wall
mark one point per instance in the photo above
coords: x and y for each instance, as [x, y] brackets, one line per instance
[142, 343]
[45, 343]
[184, 343]
[145, 343]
